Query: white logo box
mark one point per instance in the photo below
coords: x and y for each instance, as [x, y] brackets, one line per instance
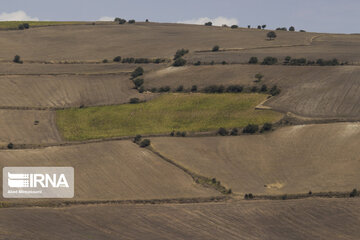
[38, 182]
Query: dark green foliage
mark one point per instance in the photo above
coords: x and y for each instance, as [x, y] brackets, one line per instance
[134, 100]
[333, 62]
[142, 60]
[120, 20]
[21, 27]
[145, 143]
[222, 131]
[117, 59]
[138, 82]
[229, 191]
[141, 89]
[17, 59]
[180, 134]
[208, 24]
[132, 21]
[198, 63]
[214, 89]
[249, 26]
[234, 89]
[194, 88]
[259, 27]
[291, 29]
[179, 53]
[271, 35]
[249, 196]
[263, 26]
[269, 61]
[354, 193]
[266, 127]
[172, 133]
[234, 26]
[298, 61]
[215, 48]
[137, 72]
[274, 91]
[234, 132]
[26, 25]
[287, 60]
[251, 128]
[180, 88]
[105, 61]
[179, 62]
[128, 60]
[137, 138]
[281, 29]
[302, 31]
[258, 77]
[159, 60]
[10, 146]
[183, 134]
[253, 60]
[147, 20]
[284, 197]
[164, 89]
[263, 88]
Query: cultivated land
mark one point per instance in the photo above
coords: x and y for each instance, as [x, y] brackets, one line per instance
[169, 112]
[256, 220]
[320, 158]
[15, 24]
[117, 170]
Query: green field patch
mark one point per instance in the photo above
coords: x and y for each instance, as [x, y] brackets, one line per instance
[15, 24]
[168, 112]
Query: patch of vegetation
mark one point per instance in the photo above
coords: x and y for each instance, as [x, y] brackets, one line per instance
[266, 127]
[234, 132]
[117, 59]
[134, 100]
[10, 146]
[194, 88]
[214, 89]
[251, 128]
[222, 131]
[180, 88]
[248, 196]
[138, 82]
[215, 48]
[198, 63]
[137, 138]
[139, 71]
[179, 62]
[208, 24]
[105, 61]
[234, 26]
[234, 89]
[131, 21]
[271, 35]
[168, 112]
[17, 59]
[27, 24]
[281, 29]
[253, 60]
[120, 20]
[269, 61]
[180, 53]
[354, 193]
[292, 29]
[274, 90]
[164, 89]
[145, 143]
[258, 77]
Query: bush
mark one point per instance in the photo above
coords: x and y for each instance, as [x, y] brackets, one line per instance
[274, 91]
[223, 62]
[117, 59]
[249, 196]
[179, 62]
[253, 89]
[128, 60]
[145, 143]
[179, 53]
[298, 62]
[120, 20]
[234, 26]
[263, 26]
[10, 146]
[214, 89]
[21, 27]
[138, 82]
[137, 138]
[141, 89]
[258, 27]
[269, 61]
[222, 131]
[134, 100]
[17, 59]
[258, 77]
[164, 89]
[354, 193]
[142, 60]
[302, 31]
[263, 88]
[271, 35]
[249, 26]
[253, 60]
[147, 20]
[198, 63]
[159, 60]
[215, 48]
[281, 29]
[251, 128]
[208, 24]
[26, 25]
[234, 132]
[292, 29]
[105, 61]
[180, 88]
[154, 89]
[139, 71]
[132, 21]
[266, 127]
[234, 89]
[194, 88]
[287, 60]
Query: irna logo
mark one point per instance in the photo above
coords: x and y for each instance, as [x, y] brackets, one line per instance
[18, 180]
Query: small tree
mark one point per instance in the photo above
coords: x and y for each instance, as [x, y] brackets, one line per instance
[263, 26]
[194, 88]
[263, 88]
[215, 48]
[132, 21]
[266, 127]
[258, 77]
[271, 35]
[138, 82]
[10, 146]
[234, 132]
[269, 61]
[208, 24]
[21, 27]
[222, 131]
[26, 25]
[253, 60]
[251, 128]
[249, 26]
[180, 88]
[234, 26]
[180, 52]
[354, 193]
[17, 59]
[117, 59]
[292, 29]
[258, 27]
[137, 138]
[145, 143]
[137, 72]
[274, 91]
[134, 100]
[179, 62]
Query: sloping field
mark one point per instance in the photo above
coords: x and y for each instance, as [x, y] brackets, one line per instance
[96, 42]
[297, 159]
[19, 126]
[308, 91]
[66, 91]
[118, 170]
[255, 220]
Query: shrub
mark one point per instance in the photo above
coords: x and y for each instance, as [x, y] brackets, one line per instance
[354, 193]
[159, 60]
[21, 27]
[234, 132]
[120, 20]
[154, 89]
[266, 127]
[138, 82]
[292, 29]
[183, 134]
[180, 134]
[17, 59]
[10, 146]
[223, 62]
[134, 100]
[132, 21]
[269, 61]
[263, 26]
[281, 29]
[258, 27]
[117, 59]
[147, 20]
[128, 60]
[222, 131]
[180, 88]
[179, 62]
[284, 197]
[263, 88]
[234, 26]
[287, 60]
[194, 88]
[271, 35]
[26, 25]
[172, 133]
[298, 61]
[145, 143]
[208, 24]
[179, 53]
[251, 128]
[234, 89]
[105, 61]
[215, 48]
[253, 89]
[302, 31]
[249, 26]
[198, 63]
[274, 91]
[253, 60]
[248, 196]
[164, 89]
[214, 89]
[137, 138]
[229, 191]
[137, 72]
[142, 60]
[141, 89]
[258, 77]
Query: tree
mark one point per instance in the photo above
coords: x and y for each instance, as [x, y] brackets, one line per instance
[251, 128]
[259, 27]
[269, 61]
[180, 52]
[275, 91]
[21, 27]
[17, 59]
[10, 146]
[117, 59]
[253, 60]
[179, 62]
[180, 88]
[234, 26]
[249, 26]
[222, 131]
[194, 88]
[26, 25]
[258, 77]
[208, 24]
[138, 82]
[271, 35]
[263, 88]
[134, 100]
[132, 21]
[215, 48]
[137, 72]
[292, 29]
[137, 138]
[234, 132]
[263, 26]
[145, 143]
[266, 127]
